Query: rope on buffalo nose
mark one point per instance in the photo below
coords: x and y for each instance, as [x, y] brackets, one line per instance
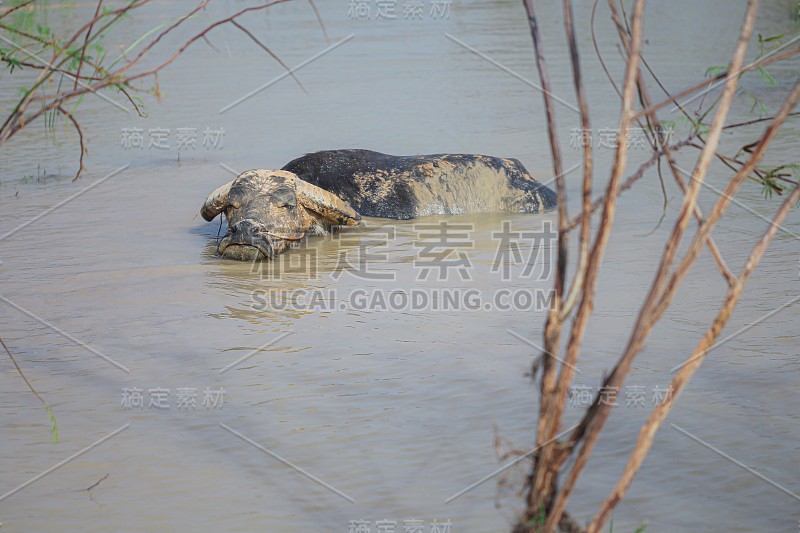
[219, 230]
[295, 237]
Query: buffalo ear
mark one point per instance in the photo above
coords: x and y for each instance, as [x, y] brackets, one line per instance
[216, 202]
[327, 204]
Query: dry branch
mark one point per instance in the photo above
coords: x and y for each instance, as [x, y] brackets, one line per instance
[680, 381]
[586, 196]
[120, 78]
[601, 240]
[546, 498]
[545, 485]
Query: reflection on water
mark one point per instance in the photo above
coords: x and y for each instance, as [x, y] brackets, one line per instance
[352, 357]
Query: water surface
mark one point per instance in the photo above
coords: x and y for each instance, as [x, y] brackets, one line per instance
[391, 406]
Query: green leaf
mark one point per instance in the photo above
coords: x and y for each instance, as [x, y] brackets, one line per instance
[12, 64]
[768, 39]
[767, 78]
[54, 429]
[716, 70]
[67, 8]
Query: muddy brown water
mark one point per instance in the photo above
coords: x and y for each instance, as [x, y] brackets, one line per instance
[355, 381]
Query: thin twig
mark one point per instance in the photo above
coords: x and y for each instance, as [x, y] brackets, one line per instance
[760, 63]
[19, 6]
[267, 50]
[23, 375]
[725, 199]
[319, 20]
[81, 168]
[756, 121]
[544, 481]
[633, 178]
[86, 43]
[97, 482]
[120, 78]
[584, 236]
[655, 126]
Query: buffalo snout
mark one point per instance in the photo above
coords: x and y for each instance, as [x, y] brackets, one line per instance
[245, 228]
[247, 240]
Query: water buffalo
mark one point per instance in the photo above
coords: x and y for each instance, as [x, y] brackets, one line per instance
[267, 210]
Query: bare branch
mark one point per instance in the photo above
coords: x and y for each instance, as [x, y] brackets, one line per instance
[267, 50]
[584, 238]
[544, 482]
[760, 63]
[725, 199]
[23, 375]
[319, 20]
[600, 242]
[120, 78]
[679, 382]
[633, 178]
[81, 168]
[85, 44]
[19, 6]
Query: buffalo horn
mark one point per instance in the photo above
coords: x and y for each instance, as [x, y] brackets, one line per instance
[216, 202]
[327, 204]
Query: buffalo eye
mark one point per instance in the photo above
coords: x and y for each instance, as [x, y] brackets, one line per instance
[285, 197]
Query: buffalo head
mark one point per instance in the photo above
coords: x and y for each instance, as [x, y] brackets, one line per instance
[267, 210]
